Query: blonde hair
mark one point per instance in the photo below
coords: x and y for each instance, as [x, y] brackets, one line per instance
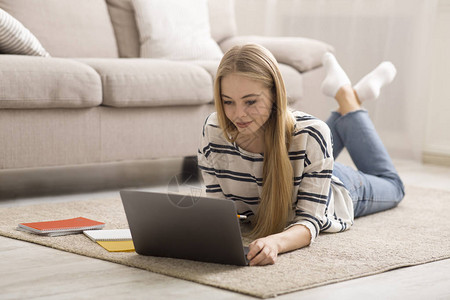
[257, 63]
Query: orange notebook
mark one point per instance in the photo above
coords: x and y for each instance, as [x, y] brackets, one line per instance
[61, 227]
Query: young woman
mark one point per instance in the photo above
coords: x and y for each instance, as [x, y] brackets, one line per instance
[278, 165]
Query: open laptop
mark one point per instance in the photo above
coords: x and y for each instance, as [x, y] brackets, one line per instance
[184, 226]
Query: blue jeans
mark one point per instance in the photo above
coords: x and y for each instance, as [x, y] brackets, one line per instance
[376, 185]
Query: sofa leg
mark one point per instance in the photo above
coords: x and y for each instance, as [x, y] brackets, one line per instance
[190, 171]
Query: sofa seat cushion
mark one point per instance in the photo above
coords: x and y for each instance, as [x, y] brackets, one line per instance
[36, 82]
[209, 65]
[293, 80]
[138, 82]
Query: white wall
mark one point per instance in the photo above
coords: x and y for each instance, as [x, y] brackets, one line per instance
[437, 138]
[365, 33]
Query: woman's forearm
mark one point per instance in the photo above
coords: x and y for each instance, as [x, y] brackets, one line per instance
[296, 237]
[265, 250]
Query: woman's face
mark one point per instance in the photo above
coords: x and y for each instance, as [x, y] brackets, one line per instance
[247, 103]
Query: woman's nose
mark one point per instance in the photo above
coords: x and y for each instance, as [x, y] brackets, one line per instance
[241, 111]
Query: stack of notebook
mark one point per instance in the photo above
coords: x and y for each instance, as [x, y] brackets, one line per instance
[60, 227]
[115, 240]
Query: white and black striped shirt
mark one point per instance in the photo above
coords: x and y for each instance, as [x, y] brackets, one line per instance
[319, 200]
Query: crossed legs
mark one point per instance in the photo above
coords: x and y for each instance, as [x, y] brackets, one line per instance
[375, 185]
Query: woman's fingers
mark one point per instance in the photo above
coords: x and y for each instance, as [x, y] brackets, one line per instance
[254, 248]
[261, 254]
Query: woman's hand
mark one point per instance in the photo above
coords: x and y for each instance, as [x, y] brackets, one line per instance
[263, 251]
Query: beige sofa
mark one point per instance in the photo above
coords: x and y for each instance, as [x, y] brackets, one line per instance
[94, 102]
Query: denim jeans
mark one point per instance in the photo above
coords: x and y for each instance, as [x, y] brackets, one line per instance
[376, 185]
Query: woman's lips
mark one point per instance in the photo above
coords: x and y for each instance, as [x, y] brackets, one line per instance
[243, 125]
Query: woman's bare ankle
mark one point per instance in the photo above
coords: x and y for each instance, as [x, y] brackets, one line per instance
[347, 99]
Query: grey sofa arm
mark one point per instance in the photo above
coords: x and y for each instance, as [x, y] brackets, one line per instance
[303, 54]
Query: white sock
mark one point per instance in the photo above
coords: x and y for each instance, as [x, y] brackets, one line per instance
[369, 86]
[335, 78]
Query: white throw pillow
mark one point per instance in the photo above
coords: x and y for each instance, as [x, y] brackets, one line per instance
[16, 39]
[174, 29]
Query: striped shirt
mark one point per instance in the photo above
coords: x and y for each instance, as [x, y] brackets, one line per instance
[319, 200]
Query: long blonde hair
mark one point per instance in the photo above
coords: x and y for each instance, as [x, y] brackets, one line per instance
[257, 63]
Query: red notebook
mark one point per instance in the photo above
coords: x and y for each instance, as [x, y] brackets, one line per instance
[61, 227]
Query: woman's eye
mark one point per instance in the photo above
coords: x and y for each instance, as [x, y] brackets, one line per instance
[226, 102]
[251, 102]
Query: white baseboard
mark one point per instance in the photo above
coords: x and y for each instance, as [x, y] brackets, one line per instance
[434, 158]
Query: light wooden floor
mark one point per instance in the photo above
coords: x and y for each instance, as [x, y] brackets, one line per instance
[30, 271]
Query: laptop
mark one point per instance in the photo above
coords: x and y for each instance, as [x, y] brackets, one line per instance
[185, 226]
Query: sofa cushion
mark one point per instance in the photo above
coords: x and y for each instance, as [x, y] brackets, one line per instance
[38, 82]
[293, 80]
[125, 28]
[67, 28]
[303, 54]
[209, 65]
[222, 19]
[173, 29]
[138, 82]
[16, 39]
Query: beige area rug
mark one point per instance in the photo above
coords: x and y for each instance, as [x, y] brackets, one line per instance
[414, 233]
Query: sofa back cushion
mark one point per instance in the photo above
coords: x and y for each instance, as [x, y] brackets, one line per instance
[67, 28]
[125, 28]
[221, 18]
[175, 30]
